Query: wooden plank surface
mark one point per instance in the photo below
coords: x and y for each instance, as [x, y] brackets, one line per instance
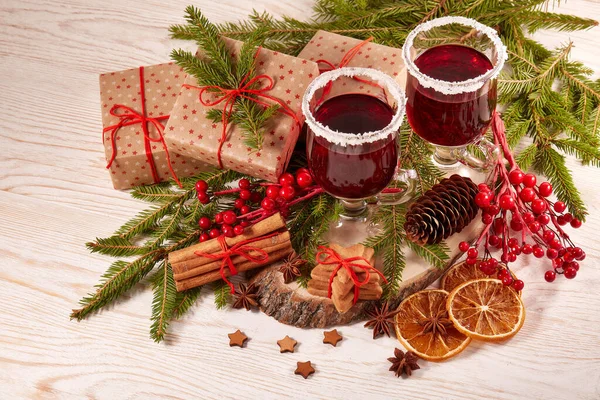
[55, 195]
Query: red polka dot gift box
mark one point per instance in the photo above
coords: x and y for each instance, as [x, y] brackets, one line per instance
[330, 51]
[136, 104]
[282, 80]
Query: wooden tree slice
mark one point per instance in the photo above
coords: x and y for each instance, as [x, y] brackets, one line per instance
[293, 305]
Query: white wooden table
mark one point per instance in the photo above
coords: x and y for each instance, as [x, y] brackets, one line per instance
[55, 194]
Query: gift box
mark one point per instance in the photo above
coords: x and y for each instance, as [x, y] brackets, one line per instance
[330, 50]
[135, 106]
[190, 133]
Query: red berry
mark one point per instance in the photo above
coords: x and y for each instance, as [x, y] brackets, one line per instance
[494, 240]
[287, 179]
[556, 245]
[239, 203]
[558, 262]
[493, 209]
[551, 253]
[204, 223]
[493, 263]
[472, 253]
[245, 223]
[568, 217]
[487, 218]
[516, 176]
[213, 233]
[502, 272]
[548, 236]
[244, 210]
[581, 257]
[229, 217]
[518, 285]
[575, 265]
[529, 180]
[538, 206]
[577, 252]
[560, 220]
[527, 248]
[534, 226]
[511, 257]
[201, 186]
[575, 223]
[304, 179]
[245, 194]
[559, 206]
[506, 202]
[498, 226]
[483, 187]
[483, 199]
[528, 217]
[273, 192]
[463, 246]
[568, 256]
[516, 225]
[527, 194]
[255, 197]
[513, 242]
[219, 218]
[203, 198]
[204, 237]
[570, 272]
[302, 171]
[471, 261]
[543, 219]
[244, 183]
[545, 189]
[538, 252]
[507, 280]
[550, 276]
[287, 192]
[267, 204]
[238, 230]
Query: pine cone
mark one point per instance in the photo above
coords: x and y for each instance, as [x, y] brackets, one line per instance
[442, 211]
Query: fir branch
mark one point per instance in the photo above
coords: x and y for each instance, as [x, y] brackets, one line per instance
[222, 294]
[184, 301]
[164, 301]
[436, 255]
[526, 157]
[536, 20]
[144, 222]
[159, 193]
[167, 226]
[116, 246]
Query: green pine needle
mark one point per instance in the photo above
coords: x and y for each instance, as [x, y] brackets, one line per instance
[163, 302]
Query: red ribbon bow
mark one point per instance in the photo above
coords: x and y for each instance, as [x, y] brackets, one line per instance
[245, 91]
[132, 117]
[333, 258]
[241, 249]
[350, 54]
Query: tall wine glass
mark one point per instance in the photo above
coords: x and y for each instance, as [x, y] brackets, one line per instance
[352, 145]
[452, 65]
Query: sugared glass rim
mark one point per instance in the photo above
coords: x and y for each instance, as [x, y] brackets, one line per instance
[343, 138]
[447, 87]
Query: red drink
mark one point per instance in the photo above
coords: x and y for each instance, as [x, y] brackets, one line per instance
[450, 120]
[353, 171]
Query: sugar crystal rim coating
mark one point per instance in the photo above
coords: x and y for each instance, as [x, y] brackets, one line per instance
[446, 87]
[346, 139]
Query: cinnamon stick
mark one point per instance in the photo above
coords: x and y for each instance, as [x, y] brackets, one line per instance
[216, 275]
[264, 227]
[189, 271]
[198, 261]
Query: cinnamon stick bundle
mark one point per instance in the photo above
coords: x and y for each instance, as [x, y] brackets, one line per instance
[192, 270]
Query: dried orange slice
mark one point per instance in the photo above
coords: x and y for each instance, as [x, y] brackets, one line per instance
[485, 309]
[423, 327]
[461, 272]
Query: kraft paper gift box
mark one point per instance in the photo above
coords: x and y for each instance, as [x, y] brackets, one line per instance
[190, 133]
[135, 106]
[333, 48]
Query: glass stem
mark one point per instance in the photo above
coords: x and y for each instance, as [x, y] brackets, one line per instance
[353, 209]
[445, 158]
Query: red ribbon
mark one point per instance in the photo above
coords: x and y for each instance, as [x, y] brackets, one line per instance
[132, 117]
[333, 258]
[241, 249]
[229, 96]
[344, 62]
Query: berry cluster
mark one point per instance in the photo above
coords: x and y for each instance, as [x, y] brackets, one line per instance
[520, 219]
[254, 202]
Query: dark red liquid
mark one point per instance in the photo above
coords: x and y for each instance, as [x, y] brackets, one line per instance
[357, 171]
[450, 120]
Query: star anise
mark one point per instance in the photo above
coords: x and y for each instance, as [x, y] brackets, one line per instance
[403, 363]
[382, 319]
[246, 296]
[291, 267]
[437, 324]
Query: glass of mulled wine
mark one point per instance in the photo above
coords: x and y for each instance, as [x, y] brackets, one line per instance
[351, 141]
[452, 65]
